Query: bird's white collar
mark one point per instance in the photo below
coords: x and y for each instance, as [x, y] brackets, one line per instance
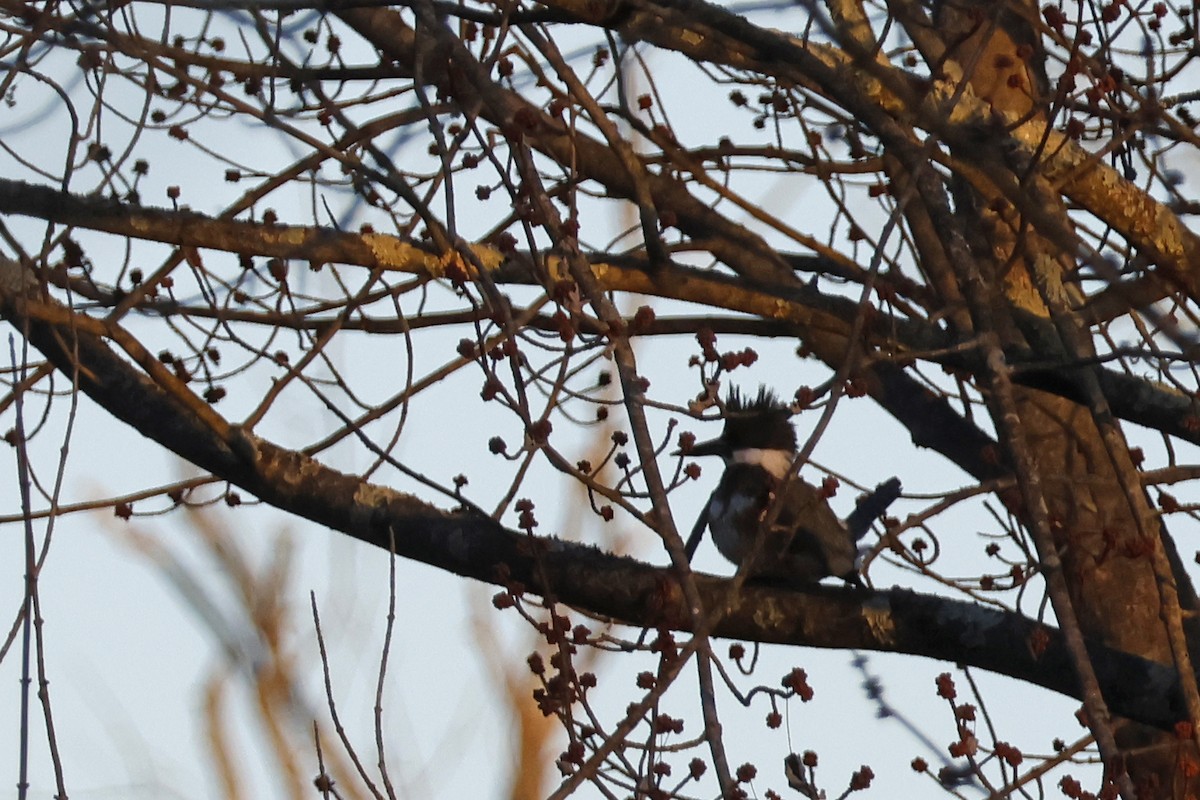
[778, 462]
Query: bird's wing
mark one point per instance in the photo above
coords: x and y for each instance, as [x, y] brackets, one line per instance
[697, 533]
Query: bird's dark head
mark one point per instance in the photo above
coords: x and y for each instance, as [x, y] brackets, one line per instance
[752, 424]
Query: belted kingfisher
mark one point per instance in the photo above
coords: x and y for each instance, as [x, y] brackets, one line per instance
[807, 542]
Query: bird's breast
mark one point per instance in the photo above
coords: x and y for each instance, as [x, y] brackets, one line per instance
[736, 509]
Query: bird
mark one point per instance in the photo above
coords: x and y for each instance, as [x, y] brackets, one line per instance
[807, 542]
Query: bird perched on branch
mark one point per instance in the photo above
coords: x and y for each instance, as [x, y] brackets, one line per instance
[807, 541]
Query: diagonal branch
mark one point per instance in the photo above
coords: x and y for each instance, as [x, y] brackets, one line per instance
[601, 584]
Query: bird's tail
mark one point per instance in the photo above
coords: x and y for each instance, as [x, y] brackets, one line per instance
[871, 507]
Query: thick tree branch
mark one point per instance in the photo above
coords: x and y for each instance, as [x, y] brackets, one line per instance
[601, 584]
[796, 310]
[710, 34]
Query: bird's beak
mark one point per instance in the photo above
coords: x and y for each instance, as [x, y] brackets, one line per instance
[713, 447]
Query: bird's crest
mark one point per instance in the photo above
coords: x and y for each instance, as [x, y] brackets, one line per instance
[765, 401]
[761, 421]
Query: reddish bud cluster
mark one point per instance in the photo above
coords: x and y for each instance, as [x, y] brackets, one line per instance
[554, 633]
[707, 341]
[643, 318]
[1011, 755]
[862, 778]
[665, 723]
[746, 773]
[539, 431]
[1055, 18]
[664, 644]
[829, 486]
[1071, 788]
[574, 754]
[491, 388]
[967, 745]
[945, 687]
[732, 360]
[797, 681]
[525, 520]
